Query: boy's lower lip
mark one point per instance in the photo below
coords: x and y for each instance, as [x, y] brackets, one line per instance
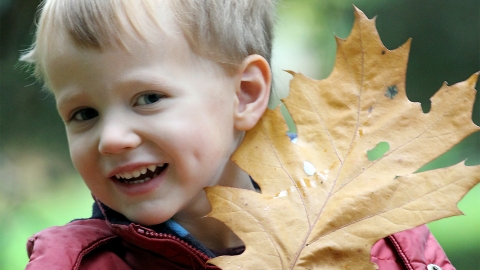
[141, 188]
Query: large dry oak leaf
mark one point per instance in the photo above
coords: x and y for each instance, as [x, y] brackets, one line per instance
[323, 203]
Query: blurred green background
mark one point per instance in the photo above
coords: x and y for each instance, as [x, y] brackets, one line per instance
[39, 187]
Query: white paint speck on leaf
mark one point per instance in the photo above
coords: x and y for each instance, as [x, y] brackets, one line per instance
[309, 168]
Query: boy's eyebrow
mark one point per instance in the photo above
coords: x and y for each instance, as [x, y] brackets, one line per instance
[66, 98]
[153, 80]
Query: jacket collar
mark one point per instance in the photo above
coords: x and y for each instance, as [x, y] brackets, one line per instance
[170, 227]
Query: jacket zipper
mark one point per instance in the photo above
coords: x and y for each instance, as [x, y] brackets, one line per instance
[400, 252]
[153, 234]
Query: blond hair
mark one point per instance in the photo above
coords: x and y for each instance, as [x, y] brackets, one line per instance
[225, 31]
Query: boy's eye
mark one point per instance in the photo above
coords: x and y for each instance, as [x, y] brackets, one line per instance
[85, 114]
[150, 98]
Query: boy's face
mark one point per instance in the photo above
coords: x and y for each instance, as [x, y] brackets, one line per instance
[147, 130]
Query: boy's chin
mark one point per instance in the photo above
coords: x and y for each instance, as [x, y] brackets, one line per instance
[145, 217]
[149, 221]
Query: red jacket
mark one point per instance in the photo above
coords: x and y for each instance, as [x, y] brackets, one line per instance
[100, 244]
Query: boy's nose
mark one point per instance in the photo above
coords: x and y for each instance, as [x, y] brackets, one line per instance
[117, 137]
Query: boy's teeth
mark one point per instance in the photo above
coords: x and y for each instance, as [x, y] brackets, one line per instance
[153, 167]
[136, 173]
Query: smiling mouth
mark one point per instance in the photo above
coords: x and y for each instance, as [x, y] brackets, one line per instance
[141, 175]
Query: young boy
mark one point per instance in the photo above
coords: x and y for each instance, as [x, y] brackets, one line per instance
[156, 97]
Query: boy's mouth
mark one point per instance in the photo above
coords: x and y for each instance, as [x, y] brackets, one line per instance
[140, 175]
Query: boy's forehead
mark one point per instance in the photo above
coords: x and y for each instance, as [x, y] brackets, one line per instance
[67, 57]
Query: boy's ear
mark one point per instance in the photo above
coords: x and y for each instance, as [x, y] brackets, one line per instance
[253, 92]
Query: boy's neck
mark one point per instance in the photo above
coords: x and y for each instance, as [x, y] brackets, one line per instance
[214, 234]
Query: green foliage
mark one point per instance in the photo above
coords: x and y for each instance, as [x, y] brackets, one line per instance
[56, 206]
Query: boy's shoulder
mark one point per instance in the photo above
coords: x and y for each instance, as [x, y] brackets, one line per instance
[412, 249]
[64, 247]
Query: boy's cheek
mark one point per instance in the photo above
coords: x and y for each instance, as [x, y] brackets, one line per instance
[80, 154]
